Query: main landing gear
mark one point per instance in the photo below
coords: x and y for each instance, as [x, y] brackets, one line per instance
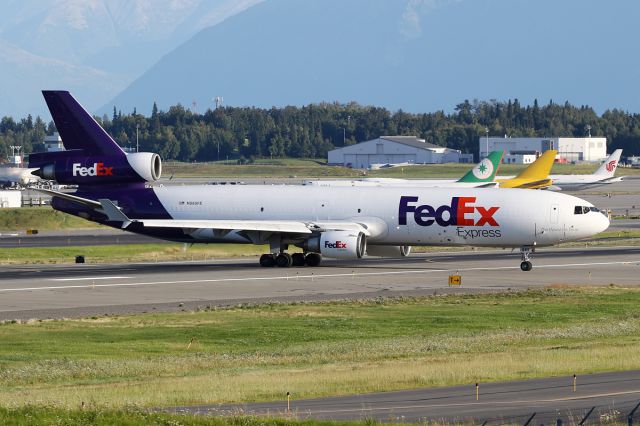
[285, 260]
[526, 252]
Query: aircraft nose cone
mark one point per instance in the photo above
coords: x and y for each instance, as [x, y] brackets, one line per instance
[603, 223]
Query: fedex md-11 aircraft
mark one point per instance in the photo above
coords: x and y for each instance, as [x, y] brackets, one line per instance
[344, 223]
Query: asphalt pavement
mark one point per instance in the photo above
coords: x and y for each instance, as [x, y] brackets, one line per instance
[612, 396]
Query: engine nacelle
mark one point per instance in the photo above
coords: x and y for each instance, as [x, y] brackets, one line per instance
[338, 244]
[146, 164]
[388, 251]
[66, 167]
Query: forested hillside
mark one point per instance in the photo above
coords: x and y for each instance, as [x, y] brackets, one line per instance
[243, 133]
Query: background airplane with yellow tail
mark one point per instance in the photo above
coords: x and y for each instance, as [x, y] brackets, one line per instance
[533, 177]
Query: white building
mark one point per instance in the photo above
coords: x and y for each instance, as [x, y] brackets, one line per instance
[53, 143]
[10, 198]
[395, 150]
[569, 149]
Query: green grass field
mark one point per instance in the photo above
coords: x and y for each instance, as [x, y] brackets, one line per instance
[41, 218]
[27, 416]
[161, 252]
[310, 349]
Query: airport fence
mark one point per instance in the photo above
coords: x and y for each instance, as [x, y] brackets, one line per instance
[623, 411]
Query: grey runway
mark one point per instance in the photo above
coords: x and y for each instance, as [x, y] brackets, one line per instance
[54, 291]
[613, 395]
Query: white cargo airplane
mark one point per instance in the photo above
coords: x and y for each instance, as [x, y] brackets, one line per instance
[603, 176]
[335, 222]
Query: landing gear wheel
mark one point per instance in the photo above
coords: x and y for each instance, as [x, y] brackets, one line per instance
[525, 254]
[284, 260]
[267, 260]
[297, 259]
[526, 266]
[313, 259]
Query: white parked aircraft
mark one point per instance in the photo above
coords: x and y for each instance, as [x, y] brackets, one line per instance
[336, 222]
[11, 176]
[603, 176]
[480, 176]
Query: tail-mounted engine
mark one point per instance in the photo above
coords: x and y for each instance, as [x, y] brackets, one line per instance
[70, 167]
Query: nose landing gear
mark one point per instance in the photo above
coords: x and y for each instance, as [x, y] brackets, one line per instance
[525, 252]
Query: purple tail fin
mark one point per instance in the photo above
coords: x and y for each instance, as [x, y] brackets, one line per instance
[77, 127]
[92, 157]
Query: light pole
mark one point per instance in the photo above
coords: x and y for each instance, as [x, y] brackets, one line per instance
[589, 143]
[486, 131]
[137, 146]
[344, 133]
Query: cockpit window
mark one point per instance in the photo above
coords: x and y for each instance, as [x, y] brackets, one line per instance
[584, 209]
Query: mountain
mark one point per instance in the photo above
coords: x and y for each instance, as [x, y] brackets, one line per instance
[416, 55]
[24, 74]
[93, 47]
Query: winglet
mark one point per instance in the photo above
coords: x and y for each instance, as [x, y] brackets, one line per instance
[608, 168]
[113, 213]
[485, 170]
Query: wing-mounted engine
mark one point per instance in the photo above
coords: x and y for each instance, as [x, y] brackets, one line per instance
[388, 251]
[338, 244]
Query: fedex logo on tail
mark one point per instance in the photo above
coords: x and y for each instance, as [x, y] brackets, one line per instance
[98, 169]
[461, 212]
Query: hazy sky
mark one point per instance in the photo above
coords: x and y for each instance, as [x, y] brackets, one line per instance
[416, 55]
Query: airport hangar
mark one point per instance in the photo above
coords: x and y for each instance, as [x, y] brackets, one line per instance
[526, 150]
[395, 150]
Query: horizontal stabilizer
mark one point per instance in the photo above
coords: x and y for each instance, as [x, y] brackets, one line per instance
[69, 197]
[113, 213]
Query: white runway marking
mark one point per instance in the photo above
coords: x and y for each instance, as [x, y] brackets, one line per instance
[87, 278]
[294, 277]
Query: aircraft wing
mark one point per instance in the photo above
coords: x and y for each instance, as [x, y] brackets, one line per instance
[292, 227]
[370, 226]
